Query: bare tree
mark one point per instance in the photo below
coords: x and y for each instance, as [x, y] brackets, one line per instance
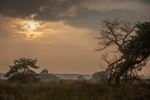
[116, 33]
[125, 37]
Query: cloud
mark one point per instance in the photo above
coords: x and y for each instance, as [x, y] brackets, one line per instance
[92, 12]
[45, 9]
[91, 19]
[57, 10]
[78, 13]
[20, 8]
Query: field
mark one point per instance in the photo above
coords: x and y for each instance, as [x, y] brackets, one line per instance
[72, 90]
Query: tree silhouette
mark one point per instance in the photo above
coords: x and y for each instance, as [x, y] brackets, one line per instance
[22, 70]
[80, 77]
[133, 42]
[100, 75]
[45, 75]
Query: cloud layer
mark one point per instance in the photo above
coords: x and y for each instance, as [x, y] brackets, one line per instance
[45, 9]
[79, 13]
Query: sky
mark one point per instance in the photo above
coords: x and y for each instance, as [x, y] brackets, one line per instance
[61, 33]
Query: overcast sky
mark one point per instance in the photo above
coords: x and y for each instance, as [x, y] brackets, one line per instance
[62, 33]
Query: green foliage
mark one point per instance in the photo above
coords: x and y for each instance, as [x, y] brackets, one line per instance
[22, 70]
[139, 45]
[136, 51]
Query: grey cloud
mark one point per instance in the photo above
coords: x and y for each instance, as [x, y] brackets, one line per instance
[138, 10]
[46, 9]
[145, 1]
[92, 19]
[20, 8]
[55, 10]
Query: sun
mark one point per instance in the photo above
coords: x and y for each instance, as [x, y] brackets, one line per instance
[32, 29]
[31, 25]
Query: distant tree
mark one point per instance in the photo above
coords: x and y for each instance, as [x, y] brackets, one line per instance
[80, 77]
[133, 43]
[100, 75]
[22, 70]
[44, 71]
[53, 77]
[44, 75]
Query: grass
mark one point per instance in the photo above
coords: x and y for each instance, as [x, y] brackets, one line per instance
[72, 90]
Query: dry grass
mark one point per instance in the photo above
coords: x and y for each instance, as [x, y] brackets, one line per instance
[71, 90]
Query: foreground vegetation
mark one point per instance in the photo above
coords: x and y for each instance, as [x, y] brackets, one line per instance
[73, 90]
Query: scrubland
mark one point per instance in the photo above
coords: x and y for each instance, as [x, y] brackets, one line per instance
[73, 90]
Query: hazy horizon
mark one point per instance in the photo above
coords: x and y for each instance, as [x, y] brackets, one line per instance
[61, 33]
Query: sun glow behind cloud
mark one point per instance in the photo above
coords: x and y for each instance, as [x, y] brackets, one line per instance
[32, 25]
[33, 30]
[29, 28]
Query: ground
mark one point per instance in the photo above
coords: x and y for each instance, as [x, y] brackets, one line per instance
[73, 90]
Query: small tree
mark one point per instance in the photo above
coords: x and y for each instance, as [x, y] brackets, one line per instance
[45, 75]
[80, 77]
[100, 75]
[22, 70]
